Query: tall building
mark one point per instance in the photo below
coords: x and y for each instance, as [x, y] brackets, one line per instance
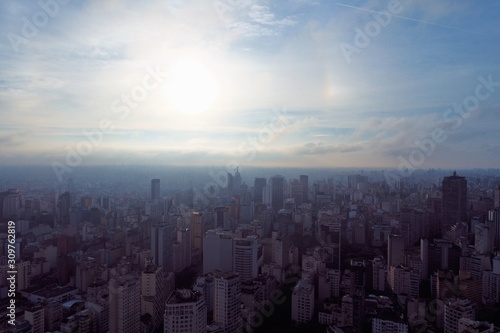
[197, 234]
[124, 304]
[296, 191]
[227, 302]
[184, 238]
[497, 198]
[221, 218]
[303, 301]
[185, 311]
[237, 182]
[246, 257]
[277, 192]
[64, 205]
[155, 189]
[491, 283]
[217, 251]
[493, 223]
[395, 250]
[152, 294]
[161, 246]
[454, 202]
[304, 181]
[258, 188]
[454, 310]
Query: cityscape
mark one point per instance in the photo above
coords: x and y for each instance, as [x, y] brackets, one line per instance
[112, 249]
[249, 166]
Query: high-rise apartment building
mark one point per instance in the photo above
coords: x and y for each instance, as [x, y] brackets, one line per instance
[496, 204]
[227, 302]
[152, 293]
[35, 316]
[395, 250]
[277, 192]
[304, 181]
[246, 257]
[124, 304]
[303, 301]
[185, 311]
[454, 202]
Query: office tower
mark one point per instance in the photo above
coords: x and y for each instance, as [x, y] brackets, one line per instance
[454, 310]
[124, 304]
[221, 218]
[205, 285]
[152, 294]
[64, 205]
[454, 202]
[161, 246]
[237, 182]
[303, 301]
[483, 240]
[258, 188]
[35, 315]
[197, 233]
[491, 283]
[281, 251]
[493, 223]
[277, 192]
[329, 236]
[379, 274]
[296, 191]
[230, 184]
[304, 181]
[155, 189]
[184, 238]
[246, 257]
[395, 250]
[413, 225]
[227, 302]
[496, 204]
[424, 257]
[217, 251]
[185, 311]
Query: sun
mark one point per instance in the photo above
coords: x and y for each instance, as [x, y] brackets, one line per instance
[191, 87]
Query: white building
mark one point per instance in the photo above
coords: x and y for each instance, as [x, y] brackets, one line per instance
[303, 301]
[491, 283]
[227, 302]
[404, 281]
[185, 311]
[152, 295]
[35, 316]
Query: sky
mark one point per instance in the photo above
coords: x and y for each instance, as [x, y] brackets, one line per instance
[248, 82]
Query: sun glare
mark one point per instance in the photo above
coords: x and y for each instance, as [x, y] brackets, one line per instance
[191, 87]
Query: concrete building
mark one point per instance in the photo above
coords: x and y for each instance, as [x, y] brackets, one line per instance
[454, 202]
[217, 251]
[185, 311]
[227, 302]
[35, 316]
[303, 301]
[491, 283]
[247, 257]
[455, 310]
[152, 295]
[395, 250]
[124, 304]
[472, 326]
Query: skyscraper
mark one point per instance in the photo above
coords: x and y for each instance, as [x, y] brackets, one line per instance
[161, 246]
[155, 189]
[237, 182]
[277, 192]
[246, 257]
[454, 203]
[227, 302]
[303, 301]
[258, 187]
[217, 251]
[124, 304]
[152, 293]
[497, 197]
[395, 250]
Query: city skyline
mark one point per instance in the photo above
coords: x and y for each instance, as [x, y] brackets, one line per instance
[299, 84]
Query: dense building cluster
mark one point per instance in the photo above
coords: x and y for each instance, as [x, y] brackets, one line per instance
[346, 253]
